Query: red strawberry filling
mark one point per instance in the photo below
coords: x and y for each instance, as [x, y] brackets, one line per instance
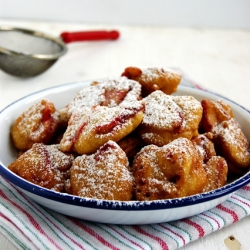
[118, 121]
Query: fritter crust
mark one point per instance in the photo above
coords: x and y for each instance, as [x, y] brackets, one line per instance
[44, 165]
[107, 92]
[204, 146]
[91, 128]
[172, 171]
[167, 118]
[230, 142]
[216, 170]
[37, 124]
[154, 78]
[103, 175]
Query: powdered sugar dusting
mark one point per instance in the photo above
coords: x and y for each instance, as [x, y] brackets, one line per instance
[79, 118]
[31, 123]
[102, 172]
[152, 73]
[161, 111]
[104, 116]
[168, 112]
[191, 109]
[180, 146]
[231, 133]
[96, 94]
[44, 165]
[99, 122]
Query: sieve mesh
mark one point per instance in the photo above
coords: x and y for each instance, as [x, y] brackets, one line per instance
[26, 53]
[28, 43]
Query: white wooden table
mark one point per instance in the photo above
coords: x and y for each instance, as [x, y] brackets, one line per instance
[217, 59]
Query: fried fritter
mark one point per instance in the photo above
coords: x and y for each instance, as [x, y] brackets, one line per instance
[215, 166]
[103, 175]
[214, 112]
[155, 78]
[167, 118]
[216, 169]
[230, 142]
[37, 124]
[204, 145]
[44, 165]
[109, 92]
[89, 129]
[172, 171]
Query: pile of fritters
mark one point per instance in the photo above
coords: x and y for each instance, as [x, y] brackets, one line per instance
[129, 138]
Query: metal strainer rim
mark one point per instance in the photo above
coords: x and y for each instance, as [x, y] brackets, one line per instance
[38, 34]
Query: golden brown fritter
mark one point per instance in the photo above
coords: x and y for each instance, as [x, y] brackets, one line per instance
[103, 175]
[44, 165]
[91, 128]
[229, 140]
[107, 92]
[172, 171]
[37, 124]
[63, 118]
[216, 169]
[204, 145]
[155, 78]
[67, 186]
[167, 118]
[214, 112]
[232, 144]
[215, 166]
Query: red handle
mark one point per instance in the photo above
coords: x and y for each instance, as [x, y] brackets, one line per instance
[89, 36]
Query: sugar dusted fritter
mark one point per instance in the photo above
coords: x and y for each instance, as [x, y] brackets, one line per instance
[37, 124]
[154, 78]
[216, 170]
[214, 112]
[204, 146]
[44, 165]
[215, 166]
[172, 171]
[102, 175]
[229, 140]
[89, 129]
[167, 118]
[232, 144]
[108, 92]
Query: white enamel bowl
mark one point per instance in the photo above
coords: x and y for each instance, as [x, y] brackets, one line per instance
[114, 212]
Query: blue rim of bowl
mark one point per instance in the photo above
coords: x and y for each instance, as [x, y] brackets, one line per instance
[123, 205]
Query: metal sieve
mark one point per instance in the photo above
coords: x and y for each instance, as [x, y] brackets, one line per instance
[27, 53]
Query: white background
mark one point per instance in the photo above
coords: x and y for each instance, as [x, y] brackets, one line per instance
[175, 13]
